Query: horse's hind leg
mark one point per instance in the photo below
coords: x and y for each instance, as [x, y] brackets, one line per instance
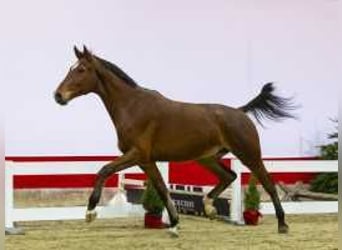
[225, 176]
[259, 170]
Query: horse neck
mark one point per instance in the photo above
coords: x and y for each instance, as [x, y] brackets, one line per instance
[116, 96]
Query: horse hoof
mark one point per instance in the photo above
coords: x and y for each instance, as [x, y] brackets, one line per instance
[211, 212]
[90, 216]
[173, 232]
[209, 209]
[213, 215]
[284, 229]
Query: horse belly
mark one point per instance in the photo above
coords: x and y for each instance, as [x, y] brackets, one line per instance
[186, 145]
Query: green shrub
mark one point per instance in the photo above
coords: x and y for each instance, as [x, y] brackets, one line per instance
[252, 195]
[329, 151]
[151, 200]
[327, 182]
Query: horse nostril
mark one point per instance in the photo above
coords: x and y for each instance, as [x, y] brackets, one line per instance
[59, 98]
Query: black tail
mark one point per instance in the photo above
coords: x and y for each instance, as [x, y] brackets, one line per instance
[267, 105]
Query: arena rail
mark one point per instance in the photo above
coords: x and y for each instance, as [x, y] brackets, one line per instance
[13, 214]
[13, 168]
[292, 207]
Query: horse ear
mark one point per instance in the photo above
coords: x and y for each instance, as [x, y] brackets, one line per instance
[78, 53]
[87, 54]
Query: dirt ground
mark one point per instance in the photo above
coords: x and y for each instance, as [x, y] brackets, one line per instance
[306, 232]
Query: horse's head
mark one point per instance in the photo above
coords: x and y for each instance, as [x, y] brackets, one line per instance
[80, 80]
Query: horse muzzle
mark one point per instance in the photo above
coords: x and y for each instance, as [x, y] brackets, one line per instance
[59, 99]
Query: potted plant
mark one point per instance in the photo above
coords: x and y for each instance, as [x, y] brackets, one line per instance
[251, 212]
[153, 206]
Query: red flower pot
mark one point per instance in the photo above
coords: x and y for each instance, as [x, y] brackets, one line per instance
[153, 221]
[251, 217]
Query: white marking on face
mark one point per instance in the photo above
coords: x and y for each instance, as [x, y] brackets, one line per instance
[75, 65]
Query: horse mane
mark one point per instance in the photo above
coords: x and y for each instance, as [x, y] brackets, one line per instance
[118, 72]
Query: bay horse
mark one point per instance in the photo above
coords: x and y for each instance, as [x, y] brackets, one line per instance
[150, 128]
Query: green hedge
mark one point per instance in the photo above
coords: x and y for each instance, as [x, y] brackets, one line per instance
[327, 182]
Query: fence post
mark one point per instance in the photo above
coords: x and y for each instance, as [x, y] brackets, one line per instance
[164, 171]
[236, 203]
[10, 228]
[9, 195]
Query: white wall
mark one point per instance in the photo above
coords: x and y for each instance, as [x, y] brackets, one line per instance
[201, 51]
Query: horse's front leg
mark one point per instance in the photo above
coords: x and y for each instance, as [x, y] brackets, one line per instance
[123, 162]
[154, 175]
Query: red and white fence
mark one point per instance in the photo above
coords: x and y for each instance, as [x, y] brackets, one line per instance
[300, 207]
[62, 168]
[13, 214]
